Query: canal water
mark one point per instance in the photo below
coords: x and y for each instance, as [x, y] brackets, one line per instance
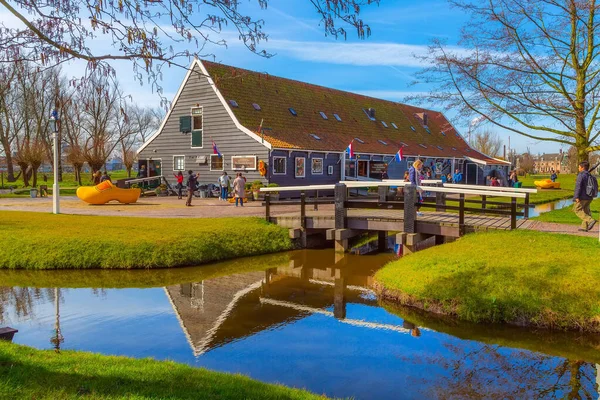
[306, 319]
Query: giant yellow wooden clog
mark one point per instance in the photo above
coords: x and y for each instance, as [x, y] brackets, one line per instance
[105, 192]
[547, 184]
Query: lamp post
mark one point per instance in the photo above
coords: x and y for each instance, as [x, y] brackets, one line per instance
[54, 121]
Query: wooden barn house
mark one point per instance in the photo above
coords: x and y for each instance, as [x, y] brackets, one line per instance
[299, 132]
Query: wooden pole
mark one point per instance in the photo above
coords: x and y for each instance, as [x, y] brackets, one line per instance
[461, 215]
[526, 210]
[303, 210]
[513, 213]
[268, 207]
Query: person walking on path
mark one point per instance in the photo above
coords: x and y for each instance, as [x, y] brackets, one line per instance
[191, 185]
[179, 178]
[414, 176]
[239, 189]
[582, 199]
[224, 185]
[105, 177]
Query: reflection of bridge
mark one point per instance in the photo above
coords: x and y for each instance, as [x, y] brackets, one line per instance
[387, 212]
[225, 309]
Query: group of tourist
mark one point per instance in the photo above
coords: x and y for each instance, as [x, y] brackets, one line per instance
[100, 177]
[238, 187]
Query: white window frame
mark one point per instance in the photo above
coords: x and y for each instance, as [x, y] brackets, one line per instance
[211, 163]
[201, 129]
[284, 165]
[312, 172]
[245, 169]
[296, 170]
[182, 168]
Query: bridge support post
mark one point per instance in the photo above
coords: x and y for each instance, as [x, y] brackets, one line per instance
[341, 215]
[526, 209]
[382, 240]
[513, 213]
[440, 200]
[410, 210]
[268, 207]
[383, 191]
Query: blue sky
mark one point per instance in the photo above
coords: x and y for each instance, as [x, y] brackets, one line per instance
[381, 66]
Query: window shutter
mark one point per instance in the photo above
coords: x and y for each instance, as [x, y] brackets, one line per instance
[197, 139]
[185, 124]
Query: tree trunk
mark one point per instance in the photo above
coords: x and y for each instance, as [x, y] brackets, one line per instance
[78, 169]
[10, 171]
[24, 167]
[129, 172]
[34, 170]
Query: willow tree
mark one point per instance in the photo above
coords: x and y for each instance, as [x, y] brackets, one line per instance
[149, 34]
[528, 66]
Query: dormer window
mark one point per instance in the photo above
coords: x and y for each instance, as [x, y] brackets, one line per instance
[368, 112]
[315, 136]
[384, 124]
[323, 115]
[233, 103]
[256, 106]
[293, 112]
[359, 140]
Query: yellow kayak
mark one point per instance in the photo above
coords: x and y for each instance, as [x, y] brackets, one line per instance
[105, 192]
[547, 184]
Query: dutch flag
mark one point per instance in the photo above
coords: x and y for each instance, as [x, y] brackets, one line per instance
[215, 149]
[350, 151]
[398, 156]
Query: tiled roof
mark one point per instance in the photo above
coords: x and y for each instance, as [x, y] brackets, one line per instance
[277, 95]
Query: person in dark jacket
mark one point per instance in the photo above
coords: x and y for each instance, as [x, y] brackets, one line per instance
[191, 184]
[582, 201]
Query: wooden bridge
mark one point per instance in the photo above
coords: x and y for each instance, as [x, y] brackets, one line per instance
[450, 211]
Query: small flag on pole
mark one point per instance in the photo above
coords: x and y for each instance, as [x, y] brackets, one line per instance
[216, 150]
[350, 151]
[398, 156]
[260, 131]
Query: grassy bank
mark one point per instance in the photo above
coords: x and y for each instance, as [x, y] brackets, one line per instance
[46, 241]
[567, 185]
[520, 277]
[567, 216]
[40, 374]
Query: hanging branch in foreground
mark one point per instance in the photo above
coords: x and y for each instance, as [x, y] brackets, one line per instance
[146, 33]
[528, 66]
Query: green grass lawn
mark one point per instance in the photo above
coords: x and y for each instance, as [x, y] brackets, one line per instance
[68, 179]
[567, 185]
[519, 277]
[567, 216]
[46, 241]
[44, 374]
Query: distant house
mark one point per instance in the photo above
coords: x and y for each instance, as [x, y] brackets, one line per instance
[546, 163]
[300, 132]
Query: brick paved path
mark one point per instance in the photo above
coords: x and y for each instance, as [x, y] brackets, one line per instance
[154, 207]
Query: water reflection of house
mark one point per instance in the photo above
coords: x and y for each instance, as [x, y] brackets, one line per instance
[221, 310]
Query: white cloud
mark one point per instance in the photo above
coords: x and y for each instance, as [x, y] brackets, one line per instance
[348, 53]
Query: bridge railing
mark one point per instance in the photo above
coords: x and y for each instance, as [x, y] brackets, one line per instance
[409, 202]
